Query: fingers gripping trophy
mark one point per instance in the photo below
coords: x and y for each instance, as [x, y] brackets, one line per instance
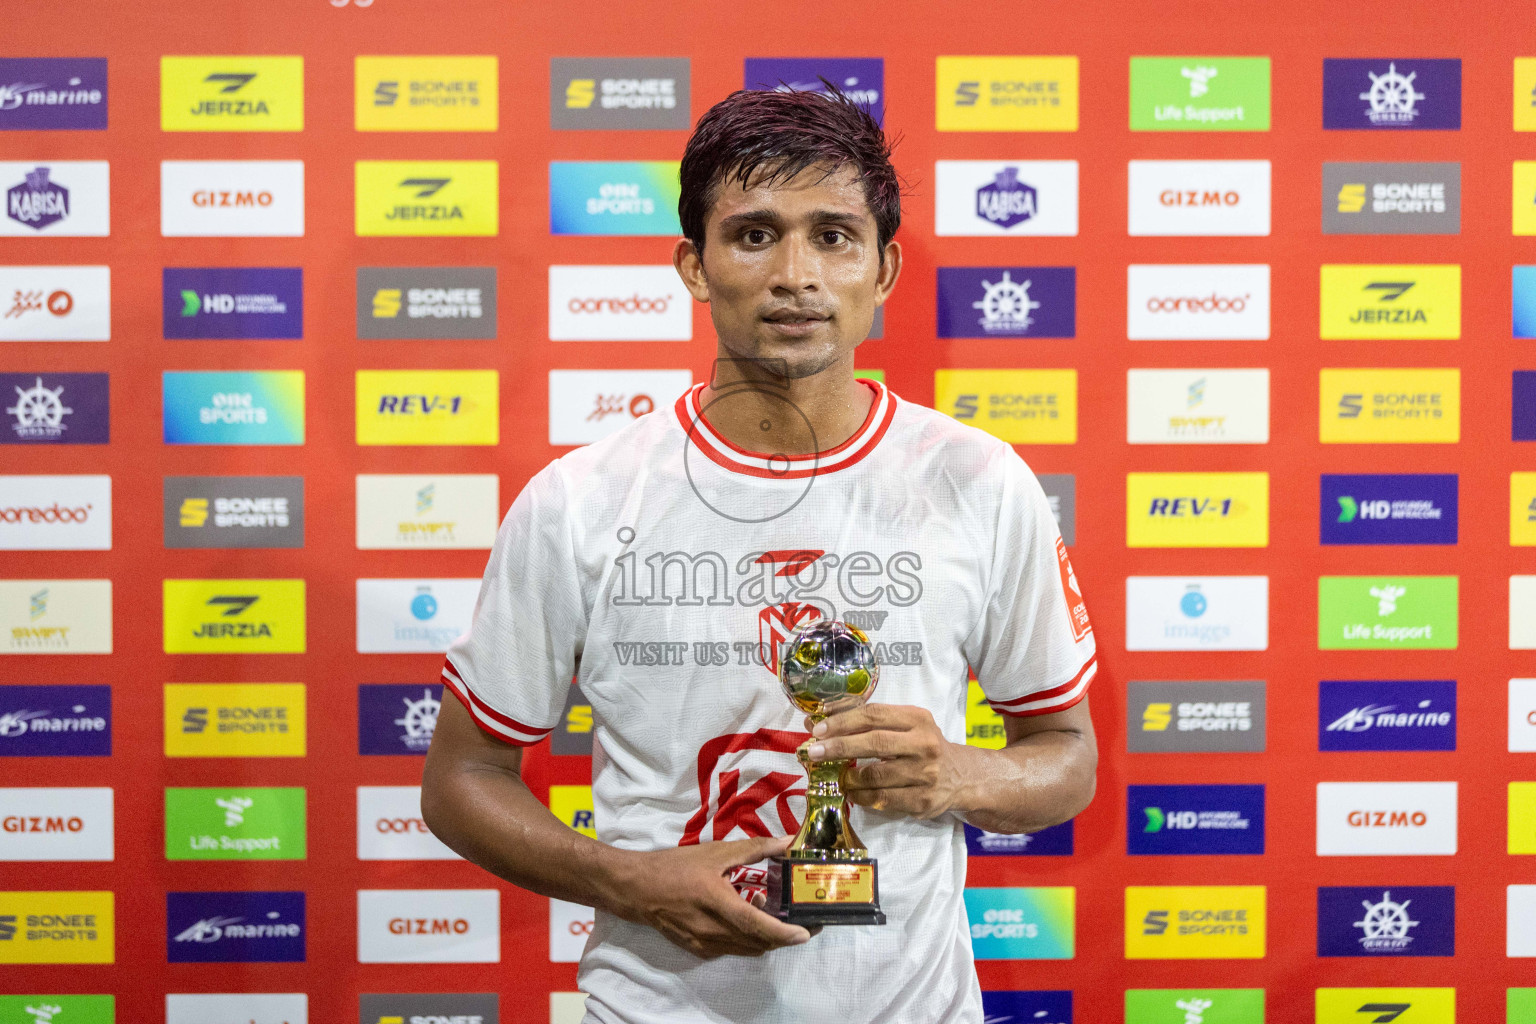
[826, 876]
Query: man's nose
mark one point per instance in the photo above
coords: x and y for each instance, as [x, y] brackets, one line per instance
[795, 265]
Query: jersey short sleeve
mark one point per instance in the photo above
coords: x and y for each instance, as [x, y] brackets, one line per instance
[513, 668]
[1033, 650]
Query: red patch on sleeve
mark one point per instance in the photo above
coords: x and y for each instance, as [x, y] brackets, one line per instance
[1077, 610]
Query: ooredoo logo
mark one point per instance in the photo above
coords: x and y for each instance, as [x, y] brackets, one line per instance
[428, 926]
[1217, 302]
[390, 826]
[56, 513]
[618, 303]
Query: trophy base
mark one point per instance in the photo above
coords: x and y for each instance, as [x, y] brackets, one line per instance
[818, 891]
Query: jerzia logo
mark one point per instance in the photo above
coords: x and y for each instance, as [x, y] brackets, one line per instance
[232, 94]
[442, 197]
[1405, 301]
[234, 616]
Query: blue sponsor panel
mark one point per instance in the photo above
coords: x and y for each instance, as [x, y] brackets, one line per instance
[1410, 714]
[46, 93]
[1523, 405]
[1044, 1007]
[1194, 820]
[1007, 302]
[234, 927]
[396, 718]
[1391, 93]
[1055, 841]
[232, 302]
[861, 79]
[54, 408]
[1386, 921]
[1389, 508]
[1523, 290]
[56, 721]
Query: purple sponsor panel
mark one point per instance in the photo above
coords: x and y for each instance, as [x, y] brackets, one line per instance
[1387, 921]
[397, 718]
[1389, 508]
[1375, 714]
[53, 408]
[42, 93]
[56, 721]
[234, 927]
[1007, 302]
[1391, 93]
[1043, 1007]
[862, 79]
[1056, 841]
[1194, 820]
[232, 302]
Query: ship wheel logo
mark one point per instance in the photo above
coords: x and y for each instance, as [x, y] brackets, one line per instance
[39, 412]
[1385, 924]
[1005, 306]
[420, 720]
[1392, 97]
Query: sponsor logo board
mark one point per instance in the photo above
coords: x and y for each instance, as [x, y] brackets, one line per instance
[1019, 197]
[233, 407]
[1522, 715]
[1039, 1007]
[1018, 406]
[1199, 197]
[862, 79]
[1386, 715]
[1037, 923]
[613, 197]
[588, 405]
[56, 304]
[1197, 510]
[244, 1008]
[397, 718]
[61, 197]
[1522, 817]
[618, 303]
[1391, 199]
[1195, 922]
[1399, 920]
[232, 94]
[1387, 612]
[52, 93]
[1197, 613]
[233, 511]
[1203, 717]
[413, 615]
[1007, 302]
[234, 927]
[1194, 820]
[425, 94]
[1197, 406]
[573, 736]
[1386, 819]
[1389, 406]
[244, 823]
[56, 824]
[1523, 405]
[66, 720]
[573, 805]
[1391, 94]
[390, 826]
[428, 407]
[234, 719]
[55, 513]
[1056, 841]
[1386, 1006]
[224, 616]
[57, 1009]
[232, 302]
[426, 302]
[1383, 508]
[1006, 94]
[441, 510]
[232, 198]
[1199, 94]
[55, 616]
[416, 198]
[1520, 921]
[55, 408]
[1205, 1005]
[1395, 301]
[428, 926]
[569, 926]
[621, 93]
[1523, 290]
[436, 1008]
[57, 928]
[1202, 302]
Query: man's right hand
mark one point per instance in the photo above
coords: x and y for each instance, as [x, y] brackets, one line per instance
[684, 894]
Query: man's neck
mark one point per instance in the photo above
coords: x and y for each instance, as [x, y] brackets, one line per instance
[762, 412]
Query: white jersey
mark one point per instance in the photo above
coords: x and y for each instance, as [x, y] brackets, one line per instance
[663, 566]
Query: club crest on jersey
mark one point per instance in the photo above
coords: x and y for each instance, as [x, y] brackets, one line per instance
[1077, 609]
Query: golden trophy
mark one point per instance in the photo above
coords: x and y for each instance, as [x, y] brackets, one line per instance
[826, 876]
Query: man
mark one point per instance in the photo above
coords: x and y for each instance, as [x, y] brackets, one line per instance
[664, 566]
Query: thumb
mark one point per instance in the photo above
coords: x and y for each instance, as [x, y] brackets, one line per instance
[750, 851]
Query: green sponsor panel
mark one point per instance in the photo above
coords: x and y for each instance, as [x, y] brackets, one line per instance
[878, 375]
[1386, 613]
[57, 1009]
[1520, 1007]
[1207, 1005]
[234, 823]
[1199, 94]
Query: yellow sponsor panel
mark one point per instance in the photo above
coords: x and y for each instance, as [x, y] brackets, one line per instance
[234, 720]
[1525, 94]
[1522, 817]
[573, 805]
[1398, 1005]
[983, 726]
[1006, 94]
[232, 94]
[1522, 509]
[1523, 217]
[1197, 510]
[1410, 301]
[1396, 406]
[425, 94]
[1194, 922]
[234, 616]
[428, 407]
[56, 928]
[1019, 406]
[426, 197]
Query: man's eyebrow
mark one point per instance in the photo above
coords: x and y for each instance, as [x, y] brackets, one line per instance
[765, 216]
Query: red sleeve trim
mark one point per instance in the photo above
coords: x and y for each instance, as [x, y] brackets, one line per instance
[502, 727]
[1057, 698]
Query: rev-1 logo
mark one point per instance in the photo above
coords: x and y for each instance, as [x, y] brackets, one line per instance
[423, 405]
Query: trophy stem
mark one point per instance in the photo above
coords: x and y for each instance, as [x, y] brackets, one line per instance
[826, 833]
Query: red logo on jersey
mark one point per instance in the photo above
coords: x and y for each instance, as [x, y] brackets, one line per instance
[777, 623]
[740, 796]
[1077, 611]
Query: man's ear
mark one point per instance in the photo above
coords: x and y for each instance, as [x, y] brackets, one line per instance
[689, 263]
[890, 270]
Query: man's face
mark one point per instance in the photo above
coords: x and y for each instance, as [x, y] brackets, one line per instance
[792, 272]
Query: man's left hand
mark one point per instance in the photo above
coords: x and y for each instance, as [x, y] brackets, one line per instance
[918, 771]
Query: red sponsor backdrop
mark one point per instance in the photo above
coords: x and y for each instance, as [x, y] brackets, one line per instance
[908, 36]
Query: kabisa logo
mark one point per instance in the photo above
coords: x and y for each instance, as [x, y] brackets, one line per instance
[1007, 302]
[614, 197]
[238, 407]
[213, 616]
[37, 202]
[1013, 197]
[1043, 1007]
[1197, 510]
[1006, 201]
[55, 408]
[1386, 1006]
[618, 303]
[1197, 613]
[454, 1008]
[234, 927]
[1199, 197]
[427, 407]
[41, 93]
[1403, 301]
[235, 824]
[1389, 509]
[426, 302]
[397, 718]
[1197, 716]
[1018, 406]
[1404, 920]
[1056, 841]
[426, 94]
[1389, 406]
[1200, 94]
[1006, 94]
[1195, 820]
[232, 302]
[1023, 924]
[61, 197]
[458, 198]
[231, 94]
[233, 511]
[861, 79]
[1200, 922]
[1396, 819]
[1381, 715]
[234, 720]
[398, 615]
[1391, 93]
[1391, 199]
[1195, 1006]
[55, 721]
[56, 928]
[1387, 612]
[643, 93]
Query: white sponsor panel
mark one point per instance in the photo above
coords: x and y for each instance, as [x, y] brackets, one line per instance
[55, 616]
[241, 1008]
[1005, 197]
[1520, 921]
[55, 197]
[1386, 819]
[567, 1007]
[232, 198]
[405, 616]
[428, 926]
[1199, 197]
[1522, 716]
[1197, 406]
[618, 303]
[1197, 613]
[1522, 613]
[390, 827]
[38, 823]
[427, 510]
[588, 405]
[55, 303]
[569, 926]
[1197, 302]
[55, 513]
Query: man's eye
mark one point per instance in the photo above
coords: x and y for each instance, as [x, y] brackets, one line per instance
[831, 237]
[756, 236]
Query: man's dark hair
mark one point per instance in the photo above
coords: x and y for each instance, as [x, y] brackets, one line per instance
[767, 137]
